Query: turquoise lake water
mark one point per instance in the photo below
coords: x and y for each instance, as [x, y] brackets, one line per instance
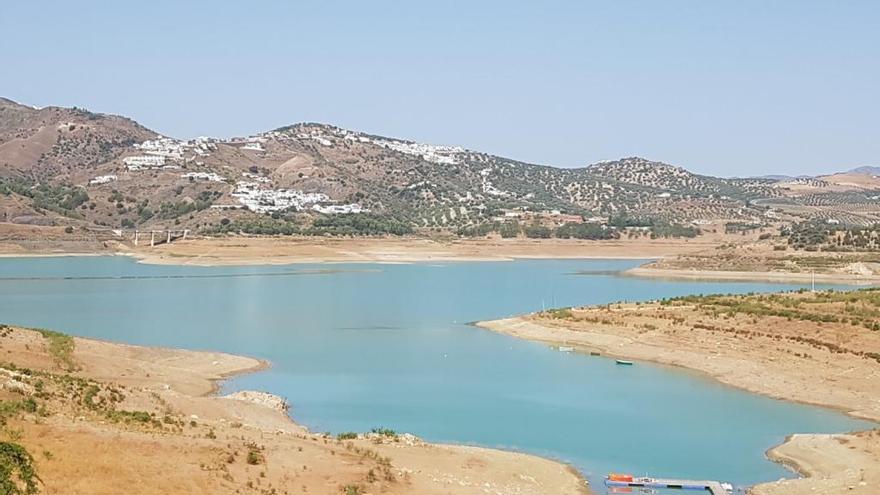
[358, 346]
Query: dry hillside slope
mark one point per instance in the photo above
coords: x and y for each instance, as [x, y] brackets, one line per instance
[68, 166]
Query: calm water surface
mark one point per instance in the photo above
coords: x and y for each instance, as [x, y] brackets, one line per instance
[356, 346]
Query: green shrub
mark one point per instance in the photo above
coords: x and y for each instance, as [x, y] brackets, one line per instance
[560, 313]
[130, 416]
[385, 432]
[509, 230]
[359, 224]
[352, 490]
[60, 346]
[585, 231]
[17, 473]
[538, 232]
[254, 457]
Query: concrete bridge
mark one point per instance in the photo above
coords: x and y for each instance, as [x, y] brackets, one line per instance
[156, 236]
[160, 236]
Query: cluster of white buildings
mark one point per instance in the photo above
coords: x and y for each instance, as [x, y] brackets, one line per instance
[102, 179]
[174, 149]
[320, 138]
[428, 152]
[201, 146]
[146, 162]
[250, 143]
[256, 196]
[350, 136]
[208, 176]
[260, 199]
[165, 147]
[339, 209]
[158, 152]
[253, 146]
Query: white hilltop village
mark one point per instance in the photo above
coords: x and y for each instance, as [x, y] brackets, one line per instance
[325, 137]
[254, 193]
[157, 153]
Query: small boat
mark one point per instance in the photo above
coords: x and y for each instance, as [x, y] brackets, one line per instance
[595, 353]
[623, 362]
[565, 348]
[619, 477]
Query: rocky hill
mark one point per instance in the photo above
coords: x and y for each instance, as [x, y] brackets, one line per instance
[63, 166]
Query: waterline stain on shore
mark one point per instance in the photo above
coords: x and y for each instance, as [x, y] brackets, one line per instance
[316, 271]
[423, 372]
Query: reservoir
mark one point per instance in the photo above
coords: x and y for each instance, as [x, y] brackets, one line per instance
[359, 346]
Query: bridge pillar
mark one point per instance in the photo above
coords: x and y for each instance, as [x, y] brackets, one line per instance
[169, 238]
[185, 231]
[152, 238]
[135, 237]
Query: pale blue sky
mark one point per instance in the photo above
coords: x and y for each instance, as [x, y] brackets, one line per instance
[720, 87]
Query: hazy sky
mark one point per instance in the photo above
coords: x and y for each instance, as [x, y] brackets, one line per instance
[722, 87]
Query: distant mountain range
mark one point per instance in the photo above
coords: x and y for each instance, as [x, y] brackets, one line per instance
[868, 170]
[782, 177]
[70, 166]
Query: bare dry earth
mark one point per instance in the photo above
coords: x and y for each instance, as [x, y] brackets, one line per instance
[33, 240]
[833, 464]
[197, 443]
[23, 240]
[757, 260]
[281, 250]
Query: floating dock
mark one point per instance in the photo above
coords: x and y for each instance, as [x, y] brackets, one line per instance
[713, 487]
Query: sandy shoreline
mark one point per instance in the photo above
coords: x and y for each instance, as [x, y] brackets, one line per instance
[52, 255]
[830, 464]
[190, 440]
[249, 251]
[244, 251]
[782, 277]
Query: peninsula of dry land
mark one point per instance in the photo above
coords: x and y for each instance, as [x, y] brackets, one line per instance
[818, 348]
[764, 260]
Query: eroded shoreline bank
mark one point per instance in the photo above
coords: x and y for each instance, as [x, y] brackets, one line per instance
[646, 271]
